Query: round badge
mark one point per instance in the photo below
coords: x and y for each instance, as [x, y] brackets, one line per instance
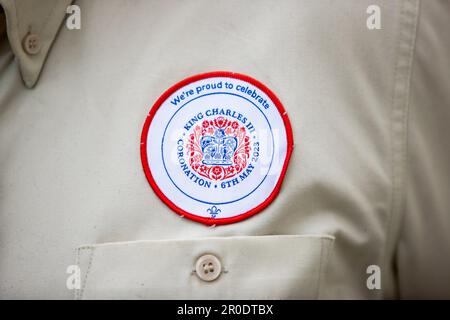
[215, 147]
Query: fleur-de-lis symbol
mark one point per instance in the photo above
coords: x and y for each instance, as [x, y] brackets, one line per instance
[213, 211]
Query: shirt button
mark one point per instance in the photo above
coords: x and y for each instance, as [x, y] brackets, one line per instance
[208, 267]
[32, 43]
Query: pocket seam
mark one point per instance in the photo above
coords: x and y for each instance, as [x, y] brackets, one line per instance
[324, 262]
[79, 293]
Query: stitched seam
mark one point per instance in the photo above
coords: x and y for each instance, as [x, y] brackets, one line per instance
[392, 144]
[77, 263]
[88, 269]
[323, 264]
[404, 158]
[320, 271]
[399, 121]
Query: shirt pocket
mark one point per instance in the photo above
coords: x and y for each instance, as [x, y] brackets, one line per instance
[252, 267]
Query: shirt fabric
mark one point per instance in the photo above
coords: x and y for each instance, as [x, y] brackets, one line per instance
[368, 182]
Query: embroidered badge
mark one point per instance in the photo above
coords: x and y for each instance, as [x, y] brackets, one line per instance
[215, 147]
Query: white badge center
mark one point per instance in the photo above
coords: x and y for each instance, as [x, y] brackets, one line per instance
[216, 147]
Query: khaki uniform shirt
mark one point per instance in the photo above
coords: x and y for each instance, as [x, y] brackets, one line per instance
[368, 184]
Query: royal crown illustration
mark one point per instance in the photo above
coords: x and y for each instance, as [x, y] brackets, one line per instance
[218, 149]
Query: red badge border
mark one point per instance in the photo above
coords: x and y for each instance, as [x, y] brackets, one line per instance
[183, 83]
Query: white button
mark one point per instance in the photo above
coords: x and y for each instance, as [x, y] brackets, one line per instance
[208, 267]
[32, 43]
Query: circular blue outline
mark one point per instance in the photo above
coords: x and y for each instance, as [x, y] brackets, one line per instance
[216, 203]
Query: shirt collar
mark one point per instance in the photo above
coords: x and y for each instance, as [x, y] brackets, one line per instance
[41, 19]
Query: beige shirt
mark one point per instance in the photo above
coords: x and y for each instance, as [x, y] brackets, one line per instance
[368, 183]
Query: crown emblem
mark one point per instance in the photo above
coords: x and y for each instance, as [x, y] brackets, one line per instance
[218, 149]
